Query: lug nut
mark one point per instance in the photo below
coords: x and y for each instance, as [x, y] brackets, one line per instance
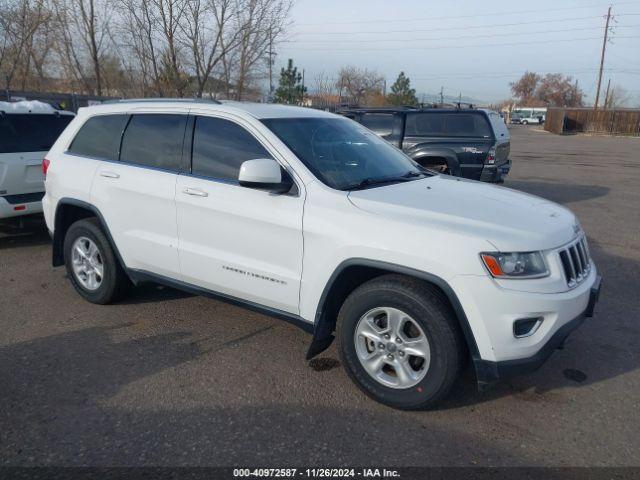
[398, 340]
[401, 353]
[386, 335]
[390, 357]
[381, 345]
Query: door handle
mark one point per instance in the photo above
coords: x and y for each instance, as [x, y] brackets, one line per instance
[195, 192]
[109, 174]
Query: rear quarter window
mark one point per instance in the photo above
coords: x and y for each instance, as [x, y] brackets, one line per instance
[100, 137]
[30, 132]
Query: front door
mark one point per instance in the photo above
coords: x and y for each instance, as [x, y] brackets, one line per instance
[235, 240]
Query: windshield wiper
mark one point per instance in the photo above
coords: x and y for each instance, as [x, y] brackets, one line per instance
[367, 182]
[413, 174]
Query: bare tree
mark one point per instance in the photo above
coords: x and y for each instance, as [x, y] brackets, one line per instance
[211, 30]
[138, 44]
[170, 14]
[19, 22]
[262, 24]
[618, 97]
[356, 85]
[83, 26]
[141, 47]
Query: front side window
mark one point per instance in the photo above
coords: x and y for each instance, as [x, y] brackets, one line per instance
[100, 137]
[154, 140]
[343, 154]
[220, 147]
[30, 132]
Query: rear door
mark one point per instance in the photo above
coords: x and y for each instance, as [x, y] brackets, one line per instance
[24, 140]
[136, 194]
[239, 241]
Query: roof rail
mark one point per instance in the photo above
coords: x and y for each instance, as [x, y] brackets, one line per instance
[154, 100]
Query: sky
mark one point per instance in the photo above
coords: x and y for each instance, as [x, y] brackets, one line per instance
[471, 47]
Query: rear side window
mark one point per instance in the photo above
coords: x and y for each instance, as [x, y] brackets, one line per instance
[220, 147]
[447, 125]
[154, 140]
[426, 124]
[379, 123]
[30, 132]
[100, 137]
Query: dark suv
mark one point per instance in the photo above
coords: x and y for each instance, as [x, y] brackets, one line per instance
[465, 142]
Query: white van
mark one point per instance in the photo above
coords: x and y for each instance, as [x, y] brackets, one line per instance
[28, 129]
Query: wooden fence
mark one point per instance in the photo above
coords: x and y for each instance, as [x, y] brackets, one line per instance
[612, 122]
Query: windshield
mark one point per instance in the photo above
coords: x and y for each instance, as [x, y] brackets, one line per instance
[343, 154]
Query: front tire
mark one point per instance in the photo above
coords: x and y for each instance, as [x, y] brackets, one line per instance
[400, 342]
[91, 263]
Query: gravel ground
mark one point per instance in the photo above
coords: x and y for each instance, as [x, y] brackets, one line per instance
[167, 378]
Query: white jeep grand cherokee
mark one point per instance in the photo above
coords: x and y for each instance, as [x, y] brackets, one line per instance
[310, 217]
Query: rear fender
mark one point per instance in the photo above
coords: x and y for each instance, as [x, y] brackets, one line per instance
[421, 154]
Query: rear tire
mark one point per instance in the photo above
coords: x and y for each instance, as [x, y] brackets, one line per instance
[409, 378]
[436, 165]
[91, 263]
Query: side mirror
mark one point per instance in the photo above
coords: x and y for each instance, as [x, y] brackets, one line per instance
[263, 174]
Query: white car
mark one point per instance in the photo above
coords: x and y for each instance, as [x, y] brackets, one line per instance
[27, 131]
[311, 218]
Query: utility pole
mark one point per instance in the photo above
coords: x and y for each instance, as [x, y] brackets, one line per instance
[270, 66]
[604, 48]
[441, 96]
[606, 96]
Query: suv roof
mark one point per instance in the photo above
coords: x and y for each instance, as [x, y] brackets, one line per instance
[409, 110]
[30, 106]
[257, 110]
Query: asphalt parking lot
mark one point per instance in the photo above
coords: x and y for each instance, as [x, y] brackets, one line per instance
[165, 378]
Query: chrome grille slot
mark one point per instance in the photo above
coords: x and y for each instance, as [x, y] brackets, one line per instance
[576, 262]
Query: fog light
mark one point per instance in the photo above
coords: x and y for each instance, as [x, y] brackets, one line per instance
[525, 327]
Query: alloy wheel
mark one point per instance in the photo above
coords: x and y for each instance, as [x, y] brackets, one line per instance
[392, 347]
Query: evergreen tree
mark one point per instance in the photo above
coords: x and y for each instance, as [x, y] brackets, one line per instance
[402, 93]
[290, 89]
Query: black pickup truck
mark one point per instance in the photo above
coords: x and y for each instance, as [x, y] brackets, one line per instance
[465, 142]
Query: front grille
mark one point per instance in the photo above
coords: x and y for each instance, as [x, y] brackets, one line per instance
[576, 262]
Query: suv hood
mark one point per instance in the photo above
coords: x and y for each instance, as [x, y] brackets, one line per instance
[510, 220]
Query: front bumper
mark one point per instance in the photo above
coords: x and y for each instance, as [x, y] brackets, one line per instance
[495, 173]
[489, 372]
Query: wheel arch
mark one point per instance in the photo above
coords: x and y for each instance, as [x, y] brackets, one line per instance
[448, 156]
[68, 211]
[352, 273]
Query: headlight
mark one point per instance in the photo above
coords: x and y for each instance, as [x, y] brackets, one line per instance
[515, 265]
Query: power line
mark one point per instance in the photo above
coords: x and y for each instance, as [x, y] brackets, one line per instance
[467, 27]
[439, 47]
[451, 17]
[508, 74]
[461, 36]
